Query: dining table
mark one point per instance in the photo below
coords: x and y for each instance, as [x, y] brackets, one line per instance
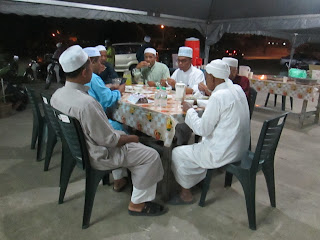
[305, 92]
[157, 122]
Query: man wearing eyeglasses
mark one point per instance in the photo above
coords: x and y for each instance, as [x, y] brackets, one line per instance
[187, 73]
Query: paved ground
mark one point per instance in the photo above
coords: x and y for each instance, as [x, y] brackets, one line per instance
[29, 196]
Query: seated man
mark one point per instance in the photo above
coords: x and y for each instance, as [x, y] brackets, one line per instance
[224, 128]
[109, 73]
[149, 70]
[187, 73]
[108, 148]
[235, 78]
[98, 90]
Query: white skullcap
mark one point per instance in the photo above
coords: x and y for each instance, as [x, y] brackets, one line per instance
[232, 62]
[147, 39]
[150, 50]
[185, 52]
[92, 51]
[73, 58]
[218, 69]
[101, 48]
[15, 58]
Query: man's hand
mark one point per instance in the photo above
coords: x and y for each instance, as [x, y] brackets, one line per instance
[121, 88]
[151, 84]
[163, 83]
[204, 88]
[124, 139]
[186, 106]
[142, 64]
[171, 82]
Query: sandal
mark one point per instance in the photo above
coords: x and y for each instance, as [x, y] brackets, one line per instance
[150, 209]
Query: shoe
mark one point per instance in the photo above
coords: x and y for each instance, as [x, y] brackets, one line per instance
[150, 209]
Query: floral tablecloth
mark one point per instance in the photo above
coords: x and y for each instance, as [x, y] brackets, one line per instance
[291, 89]
[157, 122]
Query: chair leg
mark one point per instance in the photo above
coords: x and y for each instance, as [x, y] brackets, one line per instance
[106, 179]
[93, 177]
[249, 188]
[228, 179]
[269, 176]
[283, 105]
[267, 99]
[52, 140]
[42, 137]
[205, 187]
[275, 100]
[291, 102]
[67, 167]
[35, 133]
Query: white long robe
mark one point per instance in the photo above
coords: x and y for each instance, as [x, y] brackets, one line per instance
[192, 77]
[225, 130]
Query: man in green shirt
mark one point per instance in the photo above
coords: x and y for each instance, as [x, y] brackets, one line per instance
[110, 52]
[149, 70]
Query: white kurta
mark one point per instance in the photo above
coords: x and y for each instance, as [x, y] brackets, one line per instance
[191, 78]
[225, 130]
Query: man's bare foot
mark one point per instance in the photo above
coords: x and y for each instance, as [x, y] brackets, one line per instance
[136, 207]
[120, 184]
[186, 195]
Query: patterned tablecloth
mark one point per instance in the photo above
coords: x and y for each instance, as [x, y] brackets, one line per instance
[157, 122]
[291, 89]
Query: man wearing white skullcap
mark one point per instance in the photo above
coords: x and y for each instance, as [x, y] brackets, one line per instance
[224, 128]
[108, 148]
[109, 73]
[149, 70]
[187, 74]
[235, 78]
[140, 51]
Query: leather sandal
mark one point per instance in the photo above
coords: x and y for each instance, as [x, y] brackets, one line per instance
[150, 209]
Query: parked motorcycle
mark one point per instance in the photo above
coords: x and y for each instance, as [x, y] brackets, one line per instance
[36, 70]
[55, 74]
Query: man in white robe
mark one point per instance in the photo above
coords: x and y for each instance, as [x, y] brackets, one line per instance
[186, 73]
[108, 148]
[224, 128]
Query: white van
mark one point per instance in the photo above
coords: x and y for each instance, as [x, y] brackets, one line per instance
[125, 56]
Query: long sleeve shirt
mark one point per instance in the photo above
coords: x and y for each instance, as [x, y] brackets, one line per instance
[224, 127]
[101, 93]
[244, 84]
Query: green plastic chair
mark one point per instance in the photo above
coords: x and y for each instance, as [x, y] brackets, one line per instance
[39, 124]
[53, 129]
[251, 163]
[72, 136]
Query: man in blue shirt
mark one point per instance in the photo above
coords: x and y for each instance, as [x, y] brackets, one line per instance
[106, 98]
[98, 90]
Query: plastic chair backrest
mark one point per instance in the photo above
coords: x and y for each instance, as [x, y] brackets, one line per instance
[268, 141]
[72, 134]
[49, 113]
[34, 103]
[252, 100]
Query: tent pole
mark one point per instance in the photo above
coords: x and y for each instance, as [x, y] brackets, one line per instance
[293, 48]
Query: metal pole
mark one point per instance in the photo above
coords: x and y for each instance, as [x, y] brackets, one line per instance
[293, 48]
[4, 96]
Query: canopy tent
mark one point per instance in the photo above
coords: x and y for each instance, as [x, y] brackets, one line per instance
[276, 18]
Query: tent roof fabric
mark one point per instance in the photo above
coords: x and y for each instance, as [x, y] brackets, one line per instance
[278, 18]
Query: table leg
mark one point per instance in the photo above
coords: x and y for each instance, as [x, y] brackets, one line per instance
[283, 105]
[166, 161]
[303, 113]
[316, 118]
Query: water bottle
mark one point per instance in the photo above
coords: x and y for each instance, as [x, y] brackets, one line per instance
[163, 98]
[157, 97]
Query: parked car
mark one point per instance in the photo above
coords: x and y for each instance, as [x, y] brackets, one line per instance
[125, 58]
[299, 60]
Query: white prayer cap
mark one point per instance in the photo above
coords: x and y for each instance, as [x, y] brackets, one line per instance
[150, 50]
[15, 58]
[147, 39]
[73, 58]
[185, 52]
[92, 51]
[101, 48]
[232, 62]
[218, 69]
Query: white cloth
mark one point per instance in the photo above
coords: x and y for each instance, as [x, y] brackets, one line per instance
[225, 130]
[192, 77]
[120, 173]
[73, 58]
[185, 52]
[146, 195]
